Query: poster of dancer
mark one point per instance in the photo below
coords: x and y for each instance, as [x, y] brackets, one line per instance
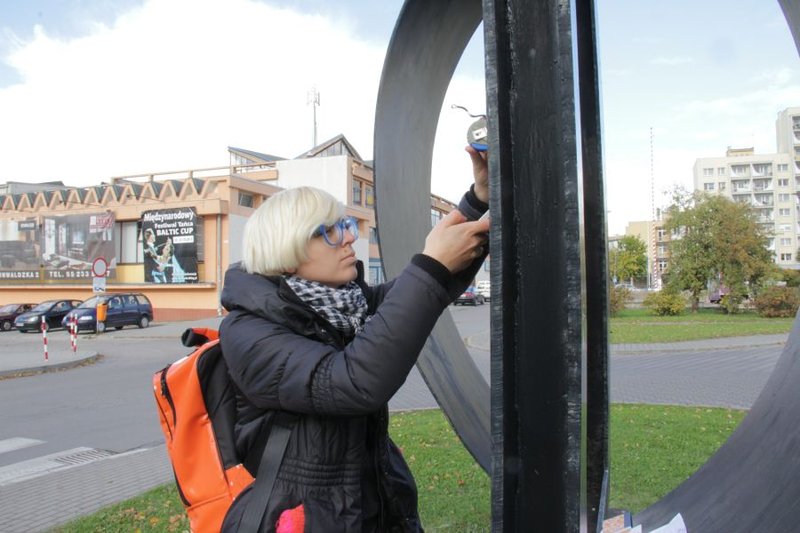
[169, 245]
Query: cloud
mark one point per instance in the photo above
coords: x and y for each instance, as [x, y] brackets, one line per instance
[672, 61]
[158, 90]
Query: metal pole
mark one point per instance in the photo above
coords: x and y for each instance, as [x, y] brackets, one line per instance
[538, 354]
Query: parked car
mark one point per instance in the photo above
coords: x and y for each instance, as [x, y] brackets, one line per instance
[10, 312]
[470, 296]
[123, 309]
[52, 310]
[485, 289]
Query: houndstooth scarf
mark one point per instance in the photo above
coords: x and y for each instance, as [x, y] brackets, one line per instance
[345, 308]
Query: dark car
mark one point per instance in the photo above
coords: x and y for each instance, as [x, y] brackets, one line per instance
[53, 311]
[10, 312]
[122, 309]
[471, 296]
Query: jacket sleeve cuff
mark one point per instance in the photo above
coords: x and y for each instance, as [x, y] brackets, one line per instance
[438, 271]
[470, 206]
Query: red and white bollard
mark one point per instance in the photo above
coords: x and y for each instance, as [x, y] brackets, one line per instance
[73, 333]
[44, 337]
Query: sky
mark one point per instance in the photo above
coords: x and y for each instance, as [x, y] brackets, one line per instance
[90, 90]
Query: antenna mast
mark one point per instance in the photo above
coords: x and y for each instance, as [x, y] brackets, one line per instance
[313, 100]
[655, 278]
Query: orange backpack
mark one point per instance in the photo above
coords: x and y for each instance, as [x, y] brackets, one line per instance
[197, 408]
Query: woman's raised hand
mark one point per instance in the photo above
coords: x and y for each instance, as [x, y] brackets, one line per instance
[455, 243]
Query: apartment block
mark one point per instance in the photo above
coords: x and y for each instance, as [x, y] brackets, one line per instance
[768, 182]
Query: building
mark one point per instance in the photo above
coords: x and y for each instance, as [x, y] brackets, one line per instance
[768, 182]
[170, 235]
[656, 237]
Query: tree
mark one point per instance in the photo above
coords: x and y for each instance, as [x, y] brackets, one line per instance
[629, 259]
[719, 239]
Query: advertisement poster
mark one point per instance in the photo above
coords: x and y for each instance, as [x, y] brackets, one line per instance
[70, 243]
[169, 245]
[19, 249]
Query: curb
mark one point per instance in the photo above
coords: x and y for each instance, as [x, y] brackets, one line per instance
[55, 367]
[628, 349]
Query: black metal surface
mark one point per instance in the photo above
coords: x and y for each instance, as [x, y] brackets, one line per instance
[594, 223]
[428, 41]
[537, 357]
[791, 10]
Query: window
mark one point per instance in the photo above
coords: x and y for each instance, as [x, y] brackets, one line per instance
[661, 233]
[662, 265]
[721, 185]
[786, 228]
[783, 197]
[783, 167]
[784, 212]
[436, 216]
[369, 194]
[199, 239]
[356, 192]
[786, 241]
[245, 199]
[128, 239]
[708, 172]
[786, 257]
[708, 186]
[721, 171]
[783, 182]
[375, 272]
[373, 236]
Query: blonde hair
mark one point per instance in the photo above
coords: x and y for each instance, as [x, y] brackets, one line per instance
[276, 234]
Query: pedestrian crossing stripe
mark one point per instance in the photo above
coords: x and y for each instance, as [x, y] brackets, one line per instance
[18, 443]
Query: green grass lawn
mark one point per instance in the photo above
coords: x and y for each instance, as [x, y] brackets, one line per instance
[639, 326]
[653, 449]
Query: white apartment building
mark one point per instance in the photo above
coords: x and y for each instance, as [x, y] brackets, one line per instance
[768, 182]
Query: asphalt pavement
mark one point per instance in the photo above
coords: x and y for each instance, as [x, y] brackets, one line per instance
[652, 373]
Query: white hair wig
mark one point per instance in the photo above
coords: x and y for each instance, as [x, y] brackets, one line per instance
[277, 233]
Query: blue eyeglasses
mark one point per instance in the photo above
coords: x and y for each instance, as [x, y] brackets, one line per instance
[334, 234]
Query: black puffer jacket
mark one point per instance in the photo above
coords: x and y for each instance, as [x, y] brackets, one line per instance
[340, 462]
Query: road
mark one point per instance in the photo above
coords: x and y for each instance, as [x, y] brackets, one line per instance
[94, 426]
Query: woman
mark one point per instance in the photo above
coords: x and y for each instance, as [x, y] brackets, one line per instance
[306, 335]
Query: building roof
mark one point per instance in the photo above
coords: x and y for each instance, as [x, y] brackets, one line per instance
[257, 157]
[338, 145]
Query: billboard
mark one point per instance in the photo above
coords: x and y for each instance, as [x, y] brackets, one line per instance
[169, 245]
[19, 249]
[70, 243]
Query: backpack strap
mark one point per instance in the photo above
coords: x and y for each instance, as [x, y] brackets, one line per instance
[271, 461]
[198, 336]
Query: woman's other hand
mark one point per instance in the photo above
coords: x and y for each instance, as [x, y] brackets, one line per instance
[480, 172]
[456, 243]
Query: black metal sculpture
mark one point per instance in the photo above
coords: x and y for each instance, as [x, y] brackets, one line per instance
[549, 390]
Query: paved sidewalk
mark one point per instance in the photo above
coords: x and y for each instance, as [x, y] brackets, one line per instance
[84, 489]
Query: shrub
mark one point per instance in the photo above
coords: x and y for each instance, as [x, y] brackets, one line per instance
[791, 277]
[618, 298]
[665, 303]
[774, 302]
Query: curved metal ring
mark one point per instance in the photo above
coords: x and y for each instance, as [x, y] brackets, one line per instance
[428, 41]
